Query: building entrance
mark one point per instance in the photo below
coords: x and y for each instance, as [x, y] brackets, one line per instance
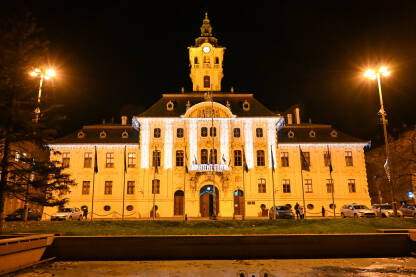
[206, 201]
[178, 207]
[239, 202]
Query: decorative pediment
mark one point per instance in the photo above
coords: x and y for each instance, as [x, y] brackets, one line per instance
[208, 110]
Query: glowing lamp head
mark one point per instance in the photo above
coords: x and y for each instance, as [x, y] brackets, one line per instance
[383, 70]
[370, 74]
[33, 74]
[37, 70]
[50, 73]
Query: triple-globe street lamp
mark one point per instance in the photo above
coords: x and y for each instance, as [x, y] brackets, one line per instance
[43, 75]
[377, 74]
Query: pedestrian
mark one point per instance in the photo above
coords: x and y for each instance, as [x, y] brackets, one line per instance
[297, 210]
[301, 212]
[85, 212]
[323, 211]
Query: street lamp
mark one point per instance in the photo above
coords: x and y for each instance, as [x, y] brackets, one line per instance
[376, 74]
[46, 74]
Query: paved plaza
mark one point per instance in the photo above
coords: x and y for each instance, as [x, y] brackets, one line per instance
[374, 267]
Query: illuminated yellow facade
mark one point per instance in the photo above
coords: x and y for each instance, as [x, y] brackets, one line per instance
[187, 145]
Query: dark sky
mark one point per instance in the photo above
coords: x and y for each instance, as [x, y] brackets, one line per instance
[110, 54]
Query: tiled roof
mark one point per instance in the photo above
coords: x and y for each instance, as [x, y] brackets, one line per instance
[236, 101]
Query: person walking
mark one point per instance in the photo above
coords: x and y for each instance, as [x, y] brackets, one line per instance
[301, 213]
[85, 213]
[323, 211]
[297, 210]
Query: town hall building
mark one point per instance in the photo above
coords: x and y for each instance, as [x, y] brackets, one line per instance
[211, 153]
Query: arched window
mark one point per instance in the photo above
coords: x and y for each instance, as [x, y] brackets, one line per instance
[196, 60]
[204, 131]
[207, 82]
[260, 158]
[217, 60]
[204, 156]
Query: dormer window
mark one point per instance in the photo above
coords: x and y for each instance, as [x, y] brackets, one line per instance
[291, 134]
[246, 106]
[81, 134]
[125, 134]
[103, 134]
[312, 134]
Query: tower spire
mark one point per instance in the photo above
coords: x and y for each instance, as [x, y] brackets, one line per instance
[206, 28]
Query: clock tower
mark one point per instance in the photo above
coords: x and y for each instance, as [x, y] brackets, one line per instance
[205, 59]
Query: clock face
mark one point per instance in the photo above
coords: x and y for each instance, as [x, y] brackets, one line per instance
[206, 49]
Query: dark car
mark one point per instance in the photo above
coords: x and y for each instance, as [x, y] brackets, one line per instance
[19, 214]
[282, 212]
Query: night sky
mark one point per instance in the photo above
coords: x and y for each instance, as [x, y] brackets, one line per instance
[118, 56]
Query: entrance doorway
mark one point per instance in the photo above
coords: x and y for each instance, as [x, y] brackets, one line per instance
[206, 201]
[238, 202]
[179, 198]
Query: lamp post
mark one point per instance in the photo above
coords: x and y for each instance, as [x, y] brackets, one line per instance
[376, 74]
[47, 74]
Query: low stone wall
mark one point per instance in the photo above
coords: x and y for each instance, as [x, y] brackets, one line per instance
[231, 246]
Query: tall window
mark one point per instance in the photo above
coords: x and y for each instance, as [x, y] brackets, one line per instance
[348, 158]
[217, 60]
[108, 188]
[213, 156]
[213, 131]
[109, 160]
[207, 82]
[156, 158]
[284, 157]
[260, 158]
[327, 158]
[179, 132]
[351, 185]
[87, 159]
[286, 185]
[262, 185]
[237, 158]
[204, 132]
[308, 186]
[329, 186]
[204, 156]
[130, 187]
[196, 60]
[259, 132]
[236, 132]
[155, 186]
[65, 159]
[131, 159]
[156, 132]
[85, 187]
[307, 156]
[179, 158]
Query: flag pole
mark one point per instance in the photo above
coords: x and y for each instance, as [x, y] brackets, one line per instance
[303, 189]
[214, 206]
[332, 180]
[274, 201]
[124, 182]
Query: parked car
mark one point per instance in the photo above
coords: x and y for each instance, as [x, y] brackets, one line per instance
[67, 214]
[19, 214]
[356, 210]
[385, 210]
[408, 210]
[281, 212]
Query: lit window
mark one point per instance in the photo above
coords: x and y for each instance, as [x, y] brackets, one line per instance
[132, 159]
[87, 159]
[155, 186]
[286, 185]
[156, 158]
[204, 156]
[179, 132]
[196, 60]
[260, 158]
[130, 187]
[109, 160]
[204, 132]
[207, 82]
[65, 159]
[348, 158]
[213, 131]
[259, 132]
[284, 156]
[217, 60]
[86, 187]
[108, 187]
[351, 185]
[156, 132]
[179, 158]
[327, 158]
[307, 156]
[329, 186]
[213, 156]
[237, 132]
[308, 186]
[262, 185]
[237, 158]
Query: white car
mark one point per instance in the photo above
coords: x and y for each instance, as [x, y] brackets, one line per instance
[67, 214]
[356, 210]
[385, 210]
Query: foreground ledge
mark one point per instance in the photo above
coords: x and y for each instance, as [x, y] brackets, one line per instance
[232, 246]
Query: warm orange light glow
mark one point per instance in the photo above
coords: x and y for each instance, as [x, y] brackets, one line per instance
[50, 73]
[37, 70]
[33, 74]
[371, 74]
